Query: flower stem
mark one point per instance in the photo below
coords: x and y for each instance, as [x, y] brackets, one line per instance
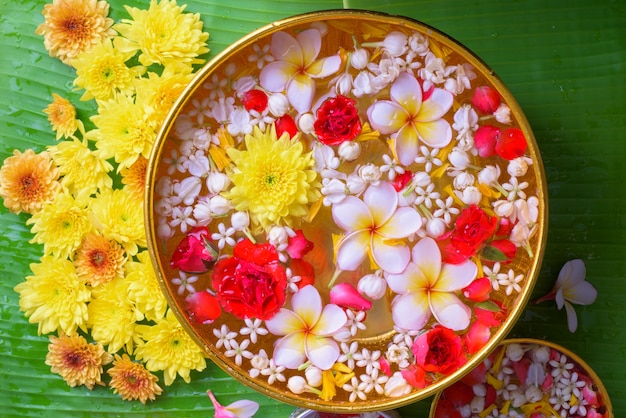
[249, 235]
[333, 279]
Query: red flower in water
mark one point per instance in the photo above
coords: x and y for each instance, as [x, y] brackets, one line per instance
[251, 283]
[298, 246]
[486, 99]
[304, 270]
[195, 253]
[472, 228]
[477, 336]
[203, 307]
[478, 290]
[502, 250]
[401, 180]
[485, 139]
[254, 100]
[415, 376]
[511, 143]
[337, 121]
[491, 314]
[285, 123]
[346, 296]
[438, 351]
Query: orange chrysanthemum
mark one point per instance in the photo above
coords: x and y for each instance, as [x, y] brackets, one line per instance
[62, 116]
[77, 361]
[134, 177]
[28, 180]
[73, 26]
[132, 381]
[99, 260]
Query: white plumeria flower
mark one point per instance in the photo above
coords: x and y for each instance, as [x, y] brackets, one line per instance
[411, 118]
[253, 328]
[307, 331]
[185, 283]
[427, 287]
[243, 408]
[370, 224]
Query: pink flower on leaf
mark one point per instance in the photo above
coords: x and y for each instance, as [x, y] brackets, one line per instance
[239, 409]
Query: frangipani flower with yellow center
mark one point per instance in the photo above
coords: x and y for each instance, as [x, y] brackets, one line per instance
[428, 286]
[413, 116]
[73, 26]
[373, 225]
[296, 67]
[307, 331]
[28, 181]
[62, 116]
[77, 361]
[273, 179]
[132, 381]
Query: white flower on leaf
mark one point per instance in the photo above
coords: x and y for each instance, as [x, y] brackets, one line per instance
[571, 287]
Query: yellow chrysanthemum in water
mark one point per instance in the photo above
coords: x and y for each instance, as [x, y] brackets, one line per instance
[134, 177]
[62, 116]
[28, 181]
[54, 297]
[83, 170]
[112, 316]
[143, 288]
[99, 260]
[73, 26]
[102, 72]
[77, 361]
[124, 130]
[163, 34]
[118, 216]
[61, 225]
[273, 178]
[132, 381]
[166, 346]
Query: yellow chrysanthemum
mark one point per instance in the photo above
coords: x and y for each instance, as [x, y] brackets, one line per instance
[166, 346]
[118, 216]
[28, 181]
[73, 26]
[112, 315]
[77, 361]
[84, 171]
[163, 34]
[54, 298]
[273, 178]
[102, 72]
[132, 381]
[61, 225]
[143, 288]
[134, 178]
[99, 260]
[124, 130]
[62, 116]
[159, 93]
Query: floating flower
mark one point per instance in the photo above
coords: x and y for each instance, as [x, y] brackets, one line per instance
[163, 34]
[571, 287]
[54, 297]
[73, 26]
[239, 409]
[413, 116]
[77, 361]
[371, 224]
[62, 116]
[203, 307]
[428, 286]
[99, 260]
[337, 121]
[296, 67]
[166, 346]
[132, 381]
[472, 228]
[273, 178]
[28, 181]
[307, 331]
[195, 253]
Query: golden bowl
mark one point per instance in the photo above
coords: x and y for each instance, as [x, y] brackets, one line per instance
[553, 366]
[362, 186]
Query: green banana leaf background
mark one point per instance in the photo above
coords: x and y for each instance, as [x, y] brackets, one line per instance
[564, 61]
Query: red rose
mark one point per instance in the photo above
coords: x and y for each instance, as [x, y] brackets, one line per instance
[337, 121]
[251, 283]
[195, 253]
[438, 350]
[472, 228]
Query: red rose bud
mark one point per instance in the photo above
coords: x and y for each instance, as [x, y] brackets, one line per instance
[195, 253]
[401, 180]
[486, 99]
[285, 123]
[298, 246]
[505, 227]
[511, 143]
[203, 307]
[490, 313]
[477, 336]
[439, 350]
[415, 376]
[346, 296]
[254, 100]
[485, 139]
[478, 290]
[504, 252]
[337, 121]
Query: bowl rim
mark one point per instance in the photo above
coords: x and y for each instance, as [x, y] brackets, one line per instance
[377, 17]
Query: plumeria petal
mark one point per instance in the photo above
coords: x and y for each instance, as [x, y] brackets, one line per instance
[285, 47]
[439, 102]
[307, 304]
[573, 271]
[572, 319]
[243, 408]
[289, 351]
[386, 116]
[456, 276]
[310, 42]
[581, 293]
[407, 144]
[381, 201]
[559, 298]
[405, 221]
[330, 321]
[411, 311]
[450, 311]
[322, 352]
[436, 134]
[411, 279]
[427, 256]
[284, 322]
[407, 92]
[300, 92]
[352, 250]
[275, 75]
[391, 258]
[352, 214]
[324, 67]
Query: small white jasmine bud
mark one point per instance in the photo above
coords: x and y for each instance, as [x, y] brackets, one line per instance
[421, 179]
[297, 384]
[395, 43]
[533, 394]
[165, 231]
[514, 352]
[463, 180]
[370, 173]
[360, 58]
[374, 286]
[343, 335]
[216, 182]
[278, 236]
[435, 227]
[518, 166]
[503, 208]
[478, 404]
[397, 386]
[489, 175]
[518, 398]
[355, 184]
[306, 123]
[349, 150]
[219, 205]
[479, 389]
[541, 354]
[471, 195]
[278, 104]
[459, 159]
[240, 220]
[503, 114]
[313, 376]
[343, 85]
